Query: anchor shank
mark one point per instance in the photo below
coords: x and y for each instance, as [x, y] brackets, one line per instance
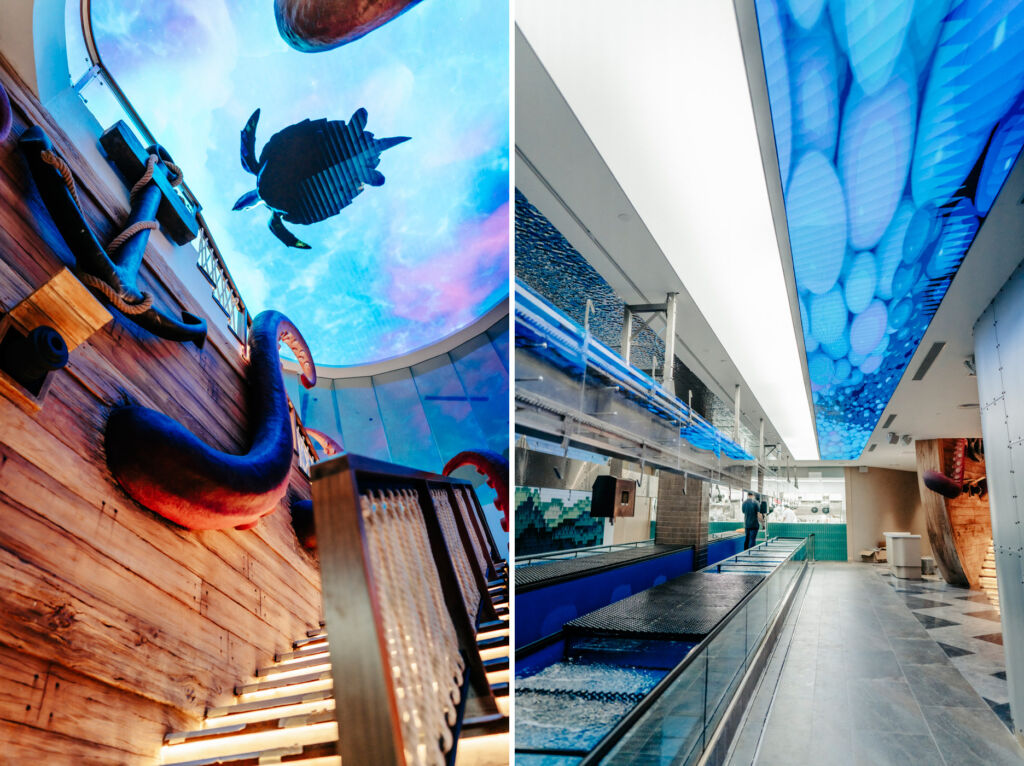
[128, 258]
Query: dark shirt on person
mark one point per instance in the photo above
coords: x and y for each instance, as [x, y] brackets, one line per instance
[750, 510]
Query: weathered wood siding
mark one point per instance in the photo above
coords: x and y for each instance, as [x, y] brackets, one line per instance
[115, 625]
[960, 529]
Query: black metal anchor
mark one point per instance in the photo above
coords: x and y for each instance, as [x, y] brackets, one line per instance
[113, 271]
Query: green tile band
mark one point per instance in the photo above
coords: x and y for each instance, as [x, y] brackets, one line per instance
[829, 539]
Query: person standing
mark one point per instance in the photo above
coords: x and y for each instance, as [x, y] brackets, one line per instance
[752, 520]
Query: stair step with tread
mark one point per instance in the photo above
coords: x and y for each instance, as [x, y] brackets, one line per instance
[287, 741]
[273, 702]
[306, 651]
[299, 665]
[278, 683]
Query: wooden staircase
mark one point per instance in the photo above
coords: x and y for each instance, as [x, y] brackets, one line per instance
[988, 577]
[286, 713]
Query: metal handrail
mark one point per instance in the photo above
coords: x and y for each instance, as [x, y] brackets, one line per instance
[221, 278]
[578, 552]
[633, 716]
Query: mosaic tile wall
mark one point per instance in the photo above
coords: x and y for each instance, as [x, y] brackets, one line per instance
[554, 520]
[829, 539]
[553, 268]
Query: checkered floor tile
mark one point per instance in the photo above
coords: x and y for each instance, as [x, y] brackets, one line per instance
[969, 634]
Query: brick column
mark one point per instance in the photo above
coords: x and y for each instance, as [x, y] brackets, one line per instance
[683, 516]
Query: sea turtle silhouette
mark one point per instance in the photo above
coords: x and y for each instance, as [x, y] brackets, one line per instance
[310, 170]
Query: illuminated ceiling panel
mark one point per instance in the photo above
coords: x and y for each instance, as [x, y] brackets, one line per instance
[403, 264]
[661, 92]
[896, 124]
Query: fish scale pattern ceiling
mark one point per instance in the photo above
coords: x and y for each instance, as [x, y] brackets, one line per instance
[550, 265]
[405, 246]
[896, 124]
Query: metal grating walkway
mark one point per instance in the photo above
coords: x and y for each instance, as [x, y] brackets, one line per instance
[541, 575]
[686, 608]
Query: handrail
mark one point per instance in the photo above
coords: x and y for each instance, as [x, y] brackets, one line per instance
[536, 317]
[577, 552]
[209, 261]
[633, 716]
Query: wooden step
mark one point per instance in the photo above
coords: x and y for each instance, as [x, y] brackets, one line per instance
[279, 683]
[489, 643]
[307, 641]
[273, 702]
[498, 663]
[233, 748]
[311, 755]
[306, 651]
[288, 667]
[251, 727]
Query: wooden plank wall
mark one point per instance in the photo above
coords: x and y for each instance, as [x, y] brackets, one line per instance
[970, 518]
[960, 529]
[115, 625]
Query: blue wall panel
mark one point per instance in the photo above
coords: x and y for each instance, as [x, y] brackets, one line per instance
[544, 611]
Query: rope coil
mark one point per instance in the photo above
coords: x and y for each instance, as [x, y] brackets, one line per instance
[122, 301]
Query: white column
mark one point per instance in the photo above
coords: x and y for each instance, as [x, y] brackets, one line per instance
[670, 343]
[999, 354]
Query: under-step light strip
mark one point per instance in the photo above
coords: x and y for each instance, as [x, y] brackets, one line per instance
[287, 691]
[298, 736]
[494, 652]
[271, 713]
[288, 661]
[273, 674]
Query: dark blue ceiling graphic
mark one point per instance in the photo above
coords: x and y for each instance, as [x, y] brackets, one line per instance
[896, 124]
[553, 268]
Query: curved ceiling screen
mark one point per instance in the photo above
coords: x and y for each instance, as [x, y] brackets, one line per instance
[408, 241]
[896, 124]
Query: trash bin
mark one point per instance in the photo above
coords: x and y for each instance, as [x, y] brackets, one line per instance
[906, 556]
[890, 558]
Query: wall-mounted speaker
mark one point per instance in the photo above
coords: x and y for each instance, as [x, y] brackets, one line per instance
[612, 498]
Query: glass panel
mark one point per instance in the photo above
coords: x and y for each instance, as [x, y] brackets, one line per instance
[317, 409]
[498, 334]
[79, 61]
[104, 105]
[756, 619]
[726, 661]
[408, 432]
[362, 429]
[485, 378]
[673, 727]
[446, 407]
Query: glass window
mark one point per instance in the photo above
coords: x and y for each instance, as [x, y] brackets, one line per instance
[362, 428]
[485, 378]
[408, 432]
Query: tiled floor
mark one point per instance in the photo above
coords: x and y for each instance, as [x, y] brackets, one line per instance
[866, 681]
[967, 629]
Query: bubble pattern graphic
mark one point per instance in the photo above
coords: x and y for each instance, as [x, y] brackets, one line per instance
[927, 103]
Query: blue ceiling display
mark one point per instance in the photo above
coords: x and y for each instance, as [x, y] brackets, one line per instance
[896, 124]
[407, 262]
